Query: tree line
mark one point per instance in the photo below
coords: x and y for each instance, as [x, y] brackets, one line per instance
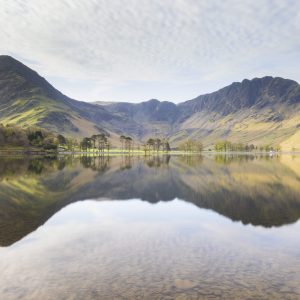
[126, 142]
[99, 142]
[190, 145]
[15, 136]
[156, 144]
[224, 146]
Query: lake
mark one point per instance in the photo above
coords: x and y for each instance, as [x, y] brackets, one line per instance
[159, 227]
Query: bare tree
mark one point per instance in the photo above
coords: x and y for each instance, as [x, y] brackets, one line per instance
[122, 140]
[157, 144]
[128, 143]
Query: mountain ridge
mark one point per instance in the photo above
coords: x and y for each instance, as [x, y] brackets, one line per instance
[33, 79]
[261, 111]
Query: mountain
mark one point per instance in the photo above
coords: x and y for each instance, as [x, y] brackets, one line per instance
[262, 111]
[28, 99]
[155, 118]
[259, 111]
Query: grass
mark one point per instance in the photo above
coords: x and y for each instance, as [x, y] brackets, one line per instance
[28, 112]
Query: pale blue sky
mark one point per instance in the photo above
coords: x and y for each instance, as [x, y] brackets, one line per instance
[134, 50]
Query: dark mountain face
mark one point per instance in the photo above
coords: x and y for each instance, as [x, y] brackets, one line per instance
[233, 112]
[258, 92]
[159, 111]
[17, 80]
[152, 110]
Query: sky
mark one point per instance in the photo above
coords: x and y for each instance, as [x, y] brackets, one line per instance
[135, 50]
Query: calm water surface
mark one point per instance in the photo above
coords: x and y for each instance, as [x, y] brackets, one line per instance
[150, 228]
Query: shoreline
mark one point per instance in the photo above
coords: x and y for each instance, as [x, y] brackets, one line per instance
[113, 152]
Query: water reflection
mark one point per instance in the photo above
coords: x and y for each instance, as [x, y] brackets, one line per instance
[118, 245]
[252, 189]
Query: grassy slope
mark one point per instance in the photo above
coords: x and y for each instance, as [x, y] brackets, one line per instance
[246, 126]
[47, 113]
[27, 112]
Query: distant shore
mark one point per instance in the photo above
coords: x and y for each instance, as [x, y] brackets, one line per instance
[135, 152]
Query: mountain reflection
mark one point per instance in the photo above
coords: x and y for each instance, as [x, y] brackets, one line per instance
[252, 189]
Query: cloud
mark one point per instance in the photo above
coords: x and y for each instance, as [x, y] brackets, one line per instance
[107, 45]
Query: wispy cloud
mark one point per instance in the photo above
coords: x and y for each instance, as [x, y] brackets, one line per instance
[180, 47]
